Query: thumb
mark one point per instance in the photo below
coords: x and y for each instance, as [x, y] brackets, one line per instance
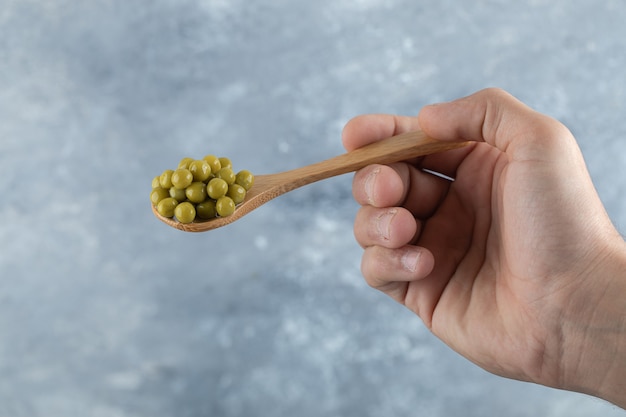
[499, 119]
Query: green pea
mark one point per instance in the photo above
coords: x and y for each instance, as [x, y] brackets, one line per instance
[245, 179]
[182, 178]
[217, 188]
[236, 192]
[178, 194]
[166, 207]
[225, 206]
[206, 210]
[158, 194]
[184, 163]
[185, 212]
[196, 192]
[227, 175]
[200, 189]
[225, 162]
[166, 179]
[200, 169]
[213, 162]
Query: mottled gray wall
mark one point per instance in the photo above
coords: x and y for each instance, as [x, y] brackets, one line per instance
[104, 311]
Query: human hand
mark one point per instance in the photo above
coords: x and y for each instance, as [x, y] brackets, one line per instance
[515, 264]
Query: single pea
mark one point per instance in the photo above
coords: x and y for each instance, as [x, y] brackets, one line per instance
[166, 207]
[227, 175]
[217, 188]
[182, 178]
[178, 194]
[245, 179]
[196, 192]
[166, 179]
[225, 162]
[184, 163]
[236, 192]
[158, 194]
[156, 182]
[206, 210]
[200, 169]
[185, 212]
[225, 206]
[213, 162]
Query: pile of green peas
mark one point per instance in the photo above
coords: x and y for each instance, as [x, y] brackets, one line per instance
[200, 189]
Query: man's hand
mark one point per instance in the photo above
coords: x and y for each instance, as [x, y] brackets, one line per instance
[510, 262]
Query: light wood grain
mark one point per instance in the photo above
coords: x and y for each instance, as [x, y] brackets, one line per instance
[267, 187]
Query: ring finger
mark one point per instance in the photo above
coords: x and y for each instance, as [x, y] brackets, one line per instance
[390, 227]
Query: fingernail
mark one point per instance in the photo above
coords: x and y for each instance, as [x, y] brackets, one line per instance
[369, 185]
[383, 223]
[410, 260]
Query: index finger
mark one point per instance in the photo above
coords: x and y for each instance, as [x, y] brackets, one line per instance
[366, 129]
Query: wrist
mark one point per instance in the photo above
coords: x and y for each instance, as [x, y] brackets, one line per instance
[594, 330]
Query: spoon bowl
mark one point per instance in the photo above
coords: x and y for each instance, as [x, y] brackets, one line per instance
[267, 187]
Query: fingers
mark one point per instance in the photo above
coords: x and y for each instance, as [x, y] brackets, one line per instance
[366, 129]
[383, 228]
[380, 185]
[391, 270]
[391, 227]
[496, 117]
[399, 185]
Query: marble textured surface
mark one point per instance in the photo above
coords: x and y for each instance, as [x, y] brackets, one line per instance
[106, 312]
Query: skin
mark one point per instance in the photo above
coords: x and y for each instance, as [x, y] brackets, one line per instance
[514, 264]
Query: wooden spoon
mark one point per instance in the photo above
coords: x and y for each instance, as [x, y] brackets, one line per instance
[266, 187]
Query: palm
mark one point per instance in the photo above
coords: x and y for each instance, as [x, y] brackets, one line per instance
[485, 287]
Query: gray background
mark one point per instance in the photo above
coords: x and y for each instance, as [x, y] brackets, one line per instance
[104, 311]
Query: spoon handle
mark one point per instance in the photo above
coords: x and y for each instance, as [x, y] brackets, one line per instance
[394, 149]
